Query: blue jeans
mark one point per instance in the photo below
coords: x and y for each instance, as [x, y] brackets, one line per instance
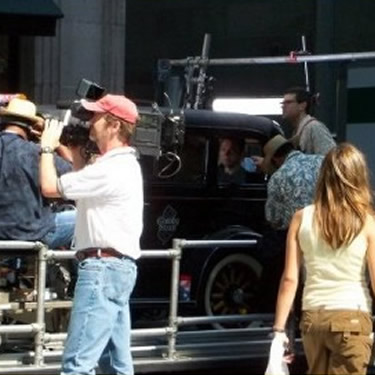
[99, 327]
[62, 236]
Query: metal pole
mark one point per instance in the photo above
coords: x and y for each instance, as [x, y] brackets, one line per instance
[48, 369]
[69, 254]
[18, 245]
[202, 71]
[305, 67]
[193, 320]
[40, 313]
[218, 243]
[19, 328]
[173, 307]
[350, 56]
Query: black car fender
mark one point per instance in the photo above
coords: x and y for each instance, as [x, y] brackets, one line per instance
[214, 254]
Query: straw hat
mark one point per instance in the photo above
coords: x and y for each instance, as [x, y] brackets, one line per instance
[20, 108]
[269, 151]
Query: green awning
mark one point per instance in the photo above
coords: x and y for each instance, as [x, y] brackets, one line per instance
[28, 17]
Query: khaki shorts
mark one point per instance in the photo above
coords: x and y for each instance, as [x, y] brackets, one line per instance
[337, 341]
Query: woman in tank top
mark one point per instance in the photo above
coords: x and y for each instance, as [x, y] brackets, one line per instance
[334, 240]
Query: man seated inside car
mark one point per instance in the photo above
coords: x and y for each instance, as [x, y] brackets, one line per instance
[231, 153]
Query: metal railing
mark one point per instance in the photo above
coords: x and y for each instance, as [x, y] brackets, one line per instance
[152, 348]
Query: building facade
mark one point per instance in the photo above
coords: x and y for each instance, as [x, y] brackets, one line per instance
[88, 42]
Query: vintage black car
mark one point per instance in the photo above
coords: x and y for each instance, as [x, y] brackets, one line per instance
[195, 203]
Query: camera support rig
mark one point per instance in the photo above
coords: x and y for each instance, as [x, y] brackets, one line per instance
[197, 82]
[159, 131]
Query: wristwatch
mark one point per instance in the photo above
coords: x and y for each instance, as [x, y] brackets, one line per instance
[46, 150]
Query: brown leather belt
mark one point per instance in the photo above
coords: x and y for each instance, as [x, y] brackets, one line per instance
[100, 252]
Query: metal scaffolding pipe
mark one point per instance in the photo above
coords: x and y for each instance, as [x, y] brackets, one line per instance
[159, 253]
[22, 357]
[149, 332]
[291, 59]
[139, 332]
[219, 345]
[60, 254]
[20, 245]
[19, 328]
[49, 369]
[168, 347]
[54, 337]
[221, 243]
[173, 307]
[223, 319]
[40, 312]
[148, 348]
[70, 254]
[202, 72]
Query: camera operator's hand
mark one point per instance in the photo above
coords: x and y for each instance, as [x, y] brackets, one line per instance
[51, 133]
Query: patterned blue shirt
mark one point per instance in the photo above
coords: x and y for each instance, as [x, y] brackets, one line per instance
[291, 187]
[24, 213]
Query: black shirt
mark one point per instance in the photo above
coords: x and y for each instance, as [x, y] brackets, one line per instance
[25, 215]
[238, 177]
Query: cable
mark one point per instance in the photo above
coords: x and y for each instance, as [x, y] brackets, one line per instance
[171, 158]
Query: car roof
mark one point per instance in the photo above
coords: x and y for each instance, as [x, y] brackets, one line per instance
[228, 124]
[231, 124]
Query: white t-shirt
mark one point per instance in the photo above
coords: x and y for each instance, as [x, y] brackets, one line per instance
[109, 198]
[335, 278]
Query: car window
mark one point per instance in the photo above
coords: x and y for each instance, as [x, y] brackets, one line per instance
[186, 168]
[193, 160]
[235, 163]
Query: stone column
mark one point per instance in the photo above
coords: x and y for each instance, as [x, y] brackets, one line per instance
[89, 43]
[113, 45]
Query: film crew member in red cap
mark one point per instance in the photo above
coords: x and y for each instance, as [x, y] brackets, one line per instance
[109, 197]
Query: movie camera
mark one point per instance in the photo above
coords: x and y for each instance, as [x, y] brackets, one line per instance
[159, 131]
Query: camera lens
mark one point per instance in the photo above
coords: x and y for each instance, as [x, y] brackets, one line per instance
[81, 113]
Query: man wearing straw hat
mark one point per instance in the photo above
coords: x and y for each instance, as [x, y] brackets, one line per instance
[292, 182]
[291, 186]
[25, 214]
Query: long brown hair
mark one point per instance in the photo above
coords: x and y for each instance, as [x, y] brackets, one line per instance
[343, 195]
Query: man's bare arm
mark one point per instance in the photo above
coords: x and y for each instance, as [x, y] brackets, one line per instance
[47, 170]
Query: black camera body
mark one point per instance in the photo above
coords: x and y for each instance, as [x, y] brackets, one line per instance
[89, 90]
[76, 129]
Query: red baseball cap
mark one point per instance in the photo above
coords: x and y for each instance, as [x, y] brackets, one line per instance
[117, 105]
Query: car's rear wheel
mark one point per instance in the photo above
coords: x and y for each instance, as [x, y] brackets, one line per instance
[231, 288]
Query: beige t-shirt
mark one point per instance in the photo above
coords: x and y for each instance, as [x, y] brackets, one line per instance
[313, 137]
[335, 278]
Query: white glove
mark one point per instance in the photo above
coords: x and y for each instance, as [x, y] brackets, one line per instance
[51, 133]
